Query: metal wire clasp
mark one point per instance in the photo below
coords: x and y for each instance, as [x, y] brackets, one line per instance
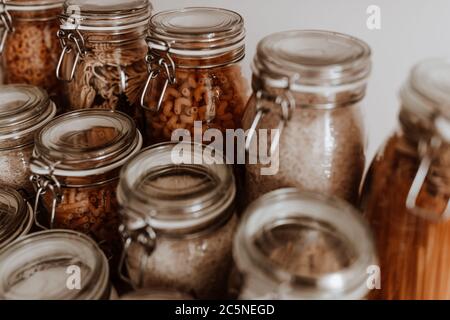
[69, 41]
[285, 102]
[7, 24]
[158, 61]
[42, 184]
[145, 236]
[428, 150]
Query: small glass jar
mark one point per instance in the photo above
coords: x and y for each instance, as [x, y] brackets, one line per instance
[29, 47]
[308, 87]
[299, 245]
[178, 220]
[75, 165]
[54, 265]
[24, 110]
[103, 59]
[407, 190]
[16, 216]
[194, 57]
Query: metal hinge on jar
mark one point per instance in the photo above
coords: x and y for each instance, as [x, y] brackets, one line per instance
[286, 103]
[70, 40]
[7, 24]
[428, 151]
[162, 62]
[144, 236]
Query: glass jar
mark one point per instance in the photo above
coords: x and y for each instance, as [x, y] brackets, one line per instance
[103, 59]
[16, 216]
[299, 245]
[24, 110]
[307, 87]
[194, 72]
[28, 45]
[178, 220]
[407, 190]
[75, 166]
[45, 266]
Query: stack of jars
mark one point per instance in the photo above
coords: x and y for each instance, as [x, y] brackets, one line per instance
[132, 153]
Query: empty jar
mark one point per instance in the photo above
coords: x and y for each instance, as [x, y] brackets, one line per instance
[296, 245]
[304, 117]
[24, 110]
[54, 265]
[178, 220]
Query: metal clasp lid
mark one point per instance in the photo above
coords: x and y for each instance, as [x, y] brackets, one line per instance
[429, 151]
[42, 184]
[161, 62]
[7, 23]
[69, 40]
[143, 235]
[285, 102]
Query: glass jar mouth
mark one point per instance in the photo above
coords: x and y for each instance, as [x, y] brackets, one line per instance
[33, 5]
[304, 59]
[40, 262]
[176, 196]
[302, 226]
[84, 143]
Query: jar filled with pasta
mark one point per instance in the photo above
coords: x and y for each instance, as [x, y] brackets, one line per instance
[407, 190]
[29, 47]
[103, 59]
[194, 72]
[75, 166]
[178, 220]
[54, 265]
[16, 216]
[299, 245]
[304, 117]
[24, 110]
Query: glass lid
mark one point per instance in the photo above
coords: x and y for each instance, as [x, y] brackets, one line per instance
[85, 142]
[28, 5]
[13, 214]
[176, 192]
[39, 265]
[197, 30]
[105, 15]
[305, 240]
[312, 57]
[23, 110]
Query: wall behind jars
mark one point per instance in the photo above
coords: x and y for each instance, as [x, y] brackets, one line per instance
[410, 30]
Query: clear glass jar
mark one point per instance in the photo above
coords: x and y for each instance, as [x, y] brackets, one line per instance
[40, 266]
[307, 87]
[194, 57]
[24, 110]
[103, 58]
[299, 245]
[178, 220]
[407, 190]
[16, 216]
[29, 48]
[75, 165]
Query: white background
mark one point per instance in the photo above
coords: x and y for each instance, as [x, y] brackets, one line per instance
[410, 31]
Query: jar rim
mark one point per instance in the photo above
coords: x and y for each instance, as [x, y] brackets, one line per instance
[33, 5]
[290, 203]
[68, 245]
[84, 143]
[206, 201]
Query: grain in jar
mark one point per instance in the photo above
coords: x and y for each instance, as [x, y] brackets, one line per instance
[407, 190]
[75, 167]
[29, 47]
[195, 74]
[300, 245]
[307, 88]
[38, 267]
[103, 59]
[24, 110]
[178, 220]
